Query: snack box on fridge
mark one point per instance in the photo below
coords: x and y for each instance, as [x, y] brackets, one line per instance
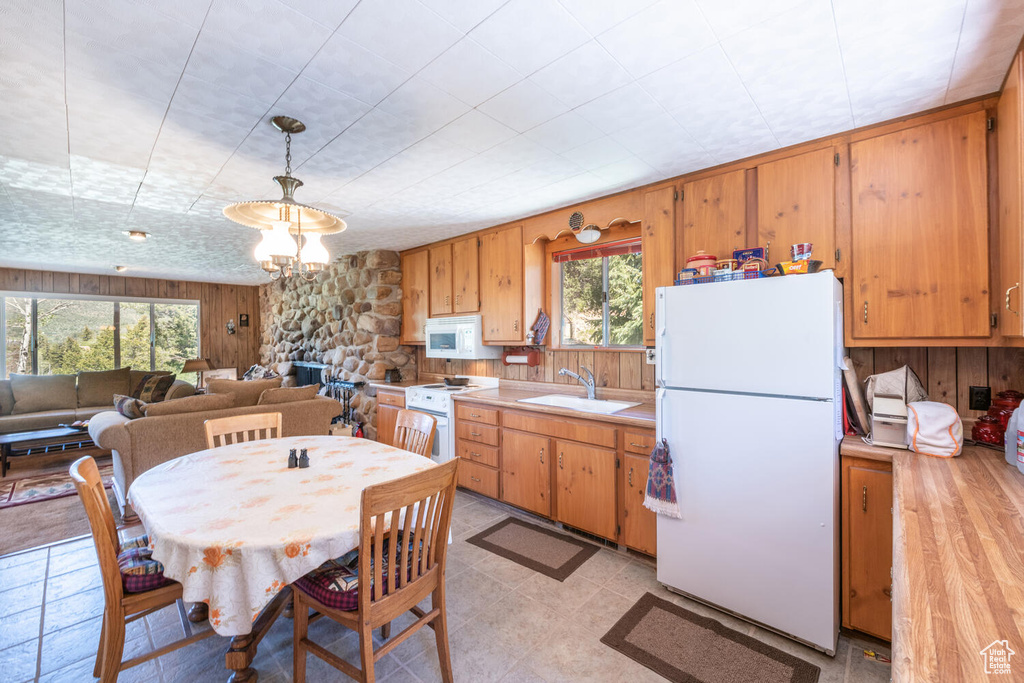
[742, 255]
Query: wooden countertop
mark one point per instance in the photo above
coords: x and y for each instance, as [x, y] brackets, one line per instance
[397, 386]
[855, 446]
[958, 565]
[642, 415]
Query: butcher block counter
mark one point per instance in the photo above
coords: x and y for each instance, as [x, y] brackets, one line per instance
[642, 415]
[958, 566]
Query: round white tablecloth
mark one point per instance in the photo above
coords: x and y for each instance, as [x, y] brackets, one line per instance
[234, 525]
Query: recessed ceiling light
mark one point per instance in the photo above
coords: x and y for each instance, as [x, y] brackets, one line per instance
[120, 269]
[137, 235]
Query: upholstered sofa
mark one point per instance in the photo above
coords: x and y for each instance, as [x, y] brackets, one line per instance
[31, 402]
[143, 443]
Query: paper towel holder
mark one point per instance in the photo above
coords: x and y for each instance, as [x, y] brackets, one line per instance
[521, 355]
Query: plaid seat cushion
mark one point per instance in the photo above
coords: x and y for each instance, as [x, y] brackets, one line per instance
[335, 583]
[139, 571]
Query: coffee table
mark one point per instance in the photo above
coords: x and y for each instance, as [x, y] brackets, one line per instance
[57, 436]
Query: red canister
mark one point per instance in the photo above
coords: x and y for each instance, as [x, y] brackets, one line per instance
[988, 430]
[1002, 408]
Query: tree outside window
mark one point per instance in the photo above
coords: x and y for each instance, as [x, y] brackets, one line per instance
[602, 295]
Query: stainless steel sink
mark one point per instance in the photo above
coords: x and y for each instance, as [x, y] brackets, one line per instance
[585, 405]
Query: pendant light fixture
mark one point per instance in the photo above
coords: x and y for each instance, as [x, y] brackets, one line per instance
[279, 253]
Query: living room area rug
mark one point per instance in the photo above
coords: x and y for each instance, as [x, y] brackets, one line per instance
[685, 647]
[47, 486]
[542, 550]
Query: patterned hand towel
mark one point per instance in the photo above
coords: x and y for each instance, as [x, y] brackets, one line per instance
[660, 497]
[661, 487]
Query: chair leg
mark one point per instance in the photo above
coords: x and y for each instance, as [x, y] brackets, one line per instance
[98, 669]
[444, 654]
[366, 650]
[385, 631]
[113, 647]
[301, 622]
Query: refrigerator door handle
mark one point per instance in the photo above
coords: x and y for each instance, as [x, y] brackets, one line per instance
[659, 339]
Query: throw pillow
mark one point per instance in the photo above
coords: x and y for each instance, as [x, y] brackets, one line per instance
[6, 397]
[191, 404]
[288, 394]
[246, 393]
[129, 406]
[99, 388]
[36, 393]
[153, 388]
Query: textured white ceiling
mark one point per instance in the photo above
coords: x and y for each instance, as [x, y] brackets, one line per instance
[428, 118]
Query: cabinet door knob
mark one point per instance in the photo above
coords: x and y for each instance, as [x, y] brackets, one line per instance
[652, 320]
[864, 499]
[515, 325]
[630, 477]
[560, 462]
[542, 456]
[1016, 285]
[865, 312]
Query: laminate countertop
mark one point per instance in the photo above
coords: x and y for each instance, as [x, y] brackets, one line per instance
[642, 415]
[397, 386]
[958, 566]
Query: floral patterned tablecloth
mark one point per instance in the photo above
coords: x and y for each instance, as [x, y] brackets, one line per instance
[234, 525]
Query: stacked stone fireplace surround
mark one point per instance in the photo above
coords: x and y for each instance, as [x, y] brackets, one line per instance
[348, 319]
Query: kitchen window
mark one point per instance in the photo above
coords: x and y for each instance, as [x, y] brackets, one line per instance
[602, 295]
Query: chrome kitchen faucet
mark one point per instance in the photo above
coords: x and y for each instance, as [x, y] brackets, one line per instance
[589, 385]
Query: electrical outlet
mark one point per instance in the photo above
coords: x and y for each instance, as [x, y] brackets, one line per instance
[649, 354]
[980, 398]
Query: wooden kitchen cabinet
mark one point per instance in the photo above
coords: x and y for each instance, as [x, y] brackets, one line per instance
[389, 403]
[466, 275]
[441, 298]
[585, 480]
[919, 200]
[714, 216]
[501, 285]
[867, 546]
[640, 525]
[526, 471]
[415, 296]
[1010, 140]
[796, 202]
[658, 249]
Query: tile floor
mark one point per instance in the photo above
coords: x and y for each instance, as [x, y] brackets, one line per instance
[507, 623]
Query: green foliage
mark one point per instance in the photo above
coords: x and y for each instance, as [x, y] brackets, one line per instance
[625, 300]
[583, 301]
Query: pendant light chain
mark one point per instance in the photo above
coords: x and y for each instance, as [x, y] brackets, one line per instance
[287, 154]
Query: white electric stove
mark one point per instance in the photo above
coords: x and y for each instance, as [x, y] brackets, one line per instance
[436, 399]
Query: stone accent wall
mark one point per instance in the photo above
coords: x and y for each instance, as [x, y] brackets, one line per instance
[349, 319]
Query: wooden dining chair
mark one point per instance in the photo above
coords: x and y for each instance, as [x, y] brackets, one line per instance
[223, 431]
[121, 606]
[395, 572]
[414, 431]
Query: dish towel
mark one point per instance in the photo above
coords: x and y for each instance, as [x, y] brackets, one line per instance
[661, 486]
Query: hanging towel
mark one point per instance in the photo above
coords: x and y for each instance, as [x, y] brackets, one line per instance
[661, 486]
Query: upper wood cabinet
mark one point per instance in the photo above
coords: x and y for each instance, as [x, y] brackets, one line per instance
[415, 291]
[714, 216]
[796, 203]
[919, 200]
[657, 235]
[504, 291]
[466, 275]
[441, 280]
[1010, 132]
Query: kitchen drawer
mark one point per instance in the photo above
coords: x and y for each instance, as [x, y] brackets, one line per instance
[478, 478]
[474, 452]
[584, 431]
[389, 398]
[471, 431]
[474, 413]
[640, 442]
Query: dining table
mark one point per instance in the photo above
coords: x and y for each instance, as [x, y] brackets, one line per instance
[236, 526]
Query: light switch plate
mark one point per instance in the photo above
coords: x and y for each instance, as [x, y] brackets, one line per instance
[649, 354]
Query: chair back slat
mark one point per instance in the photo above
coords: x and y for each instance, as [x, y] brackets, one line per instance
[224, 431]
[414, 431]
[89, 485]
[417, 510]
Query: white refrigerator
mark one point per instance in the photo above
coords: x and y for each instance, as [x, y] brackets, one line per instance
[749, 400]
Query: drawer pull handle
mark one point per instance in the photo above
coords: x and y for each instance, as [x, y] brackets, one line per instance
[864, 499]
[474, 434]
[475, 455]
[473, 415]
[1016, 285]
[542, 456]
[560, 466]
[630, 477]
[475, 479]
[636, 445]
[652, 320]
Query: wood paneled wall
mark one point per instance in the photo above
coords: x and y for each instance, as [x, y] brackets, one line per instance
[612, 369]
[218, 303]
[947, 373]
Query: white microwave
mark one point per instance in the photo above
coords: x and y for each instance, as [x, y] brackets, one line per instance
[460, 337]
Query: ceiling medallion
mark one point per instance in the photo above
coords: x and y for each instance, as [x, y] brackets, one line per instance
[278, 252]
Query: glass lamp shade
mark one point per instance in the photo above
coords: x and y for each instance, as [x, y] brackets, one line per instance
[313, 252]
[589, 234]
[281, 245]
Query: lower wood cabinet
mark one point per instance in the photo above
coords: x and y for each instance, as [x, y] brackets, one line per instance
[867, 546]
[640, 525]
[526, 471]
[478, 478]
[389, 403]
[586, 488]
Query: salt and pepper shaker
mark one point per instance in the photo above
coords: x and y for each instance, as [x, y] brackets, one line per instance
[292, 461]
[303, 459]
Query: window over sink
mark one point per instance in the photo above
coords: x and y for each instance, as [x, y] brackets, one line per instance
[601, 295]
